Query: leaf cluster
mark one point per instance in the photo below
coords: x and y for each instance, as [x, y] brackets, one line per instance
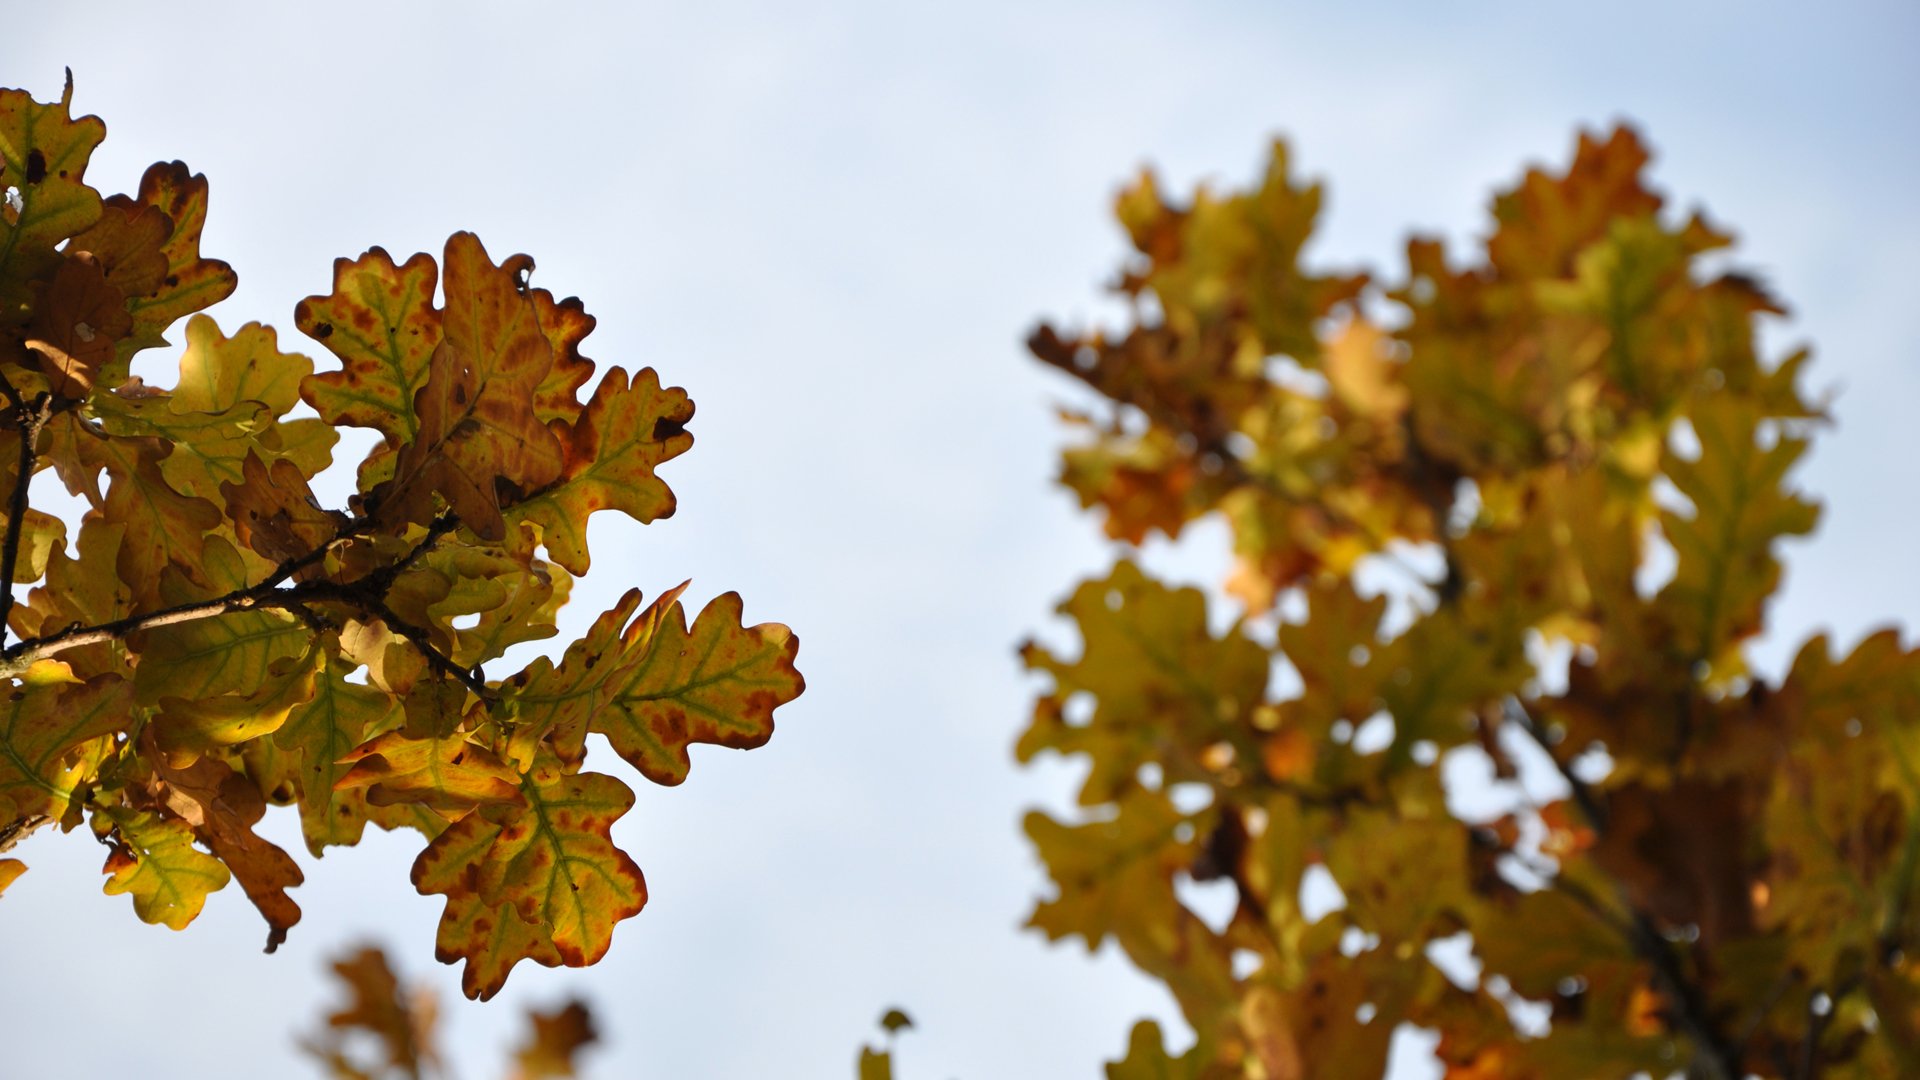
[211, 639]
[1517, 513]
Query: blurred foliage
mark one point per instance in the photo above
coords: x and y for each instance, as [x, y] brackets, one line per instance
[388, 1031]
[214, 640]
[1514, 512]
[877, 1064]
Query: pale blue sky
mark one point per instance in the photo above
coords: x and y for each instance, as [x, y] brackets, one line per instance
[833, 224]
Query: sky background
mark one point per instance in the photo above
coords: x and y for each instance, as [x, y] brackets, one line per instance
[834, 223]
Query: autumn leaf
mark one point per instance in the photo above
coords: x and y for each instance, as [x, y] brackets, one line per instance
[477, 433]
[74, 593]
[659, 687]
[557, 1037]
[1147, 1058]
[208, 449]
[449, 773]
[192, 282]
[126, 243]
[514, 601]
[40, 534]
[381, 323]
[274, 512]
[565, 324]
[79, 318]
[223, 807]
[187, 727]
[628, 430]
[232, 653]
[164, 528]
[1115, 874]
[378, 1006]
[1546, 220]
[549, 865]
[1152, 666]
[875, 1064]
[1726, 565]
[46, 731]
[153, 860]
[44, 152]
[319, 734]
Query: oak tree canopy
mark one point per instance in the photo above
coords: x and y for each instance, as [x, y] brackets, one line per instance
[1568, 457]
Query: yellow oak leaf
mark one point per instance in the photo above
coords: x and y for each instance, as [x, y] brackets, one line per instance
[191, 282]
[51, 733]
[663, 686]
[449, 773]
[627, 431]
[549, 865]
[477, 433]
[555, 1041]
[153, 860]
[43, 157]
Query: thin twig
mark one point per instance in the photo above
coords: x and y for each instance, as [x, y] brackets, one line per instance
[441, 526]
[474, 680]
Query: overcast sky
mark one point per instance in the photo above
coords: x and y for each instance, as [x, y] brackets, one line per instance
[833, 223]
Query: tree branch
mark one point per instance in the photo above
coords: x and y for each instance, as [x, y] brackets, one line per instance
[1716, 1057]
[367, 596]
[1583, 793]
[29, 419]
[12, 832]
[21, 655]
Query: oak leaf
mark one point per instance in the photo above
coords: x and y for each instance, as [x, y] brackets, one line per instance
[49, 724]
[192, 282]
[557, 1037]
[548, 865]
[449, 773]
[154, 861]
[657, 687]
[627, 431]
[44, 152]
[223, 806]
